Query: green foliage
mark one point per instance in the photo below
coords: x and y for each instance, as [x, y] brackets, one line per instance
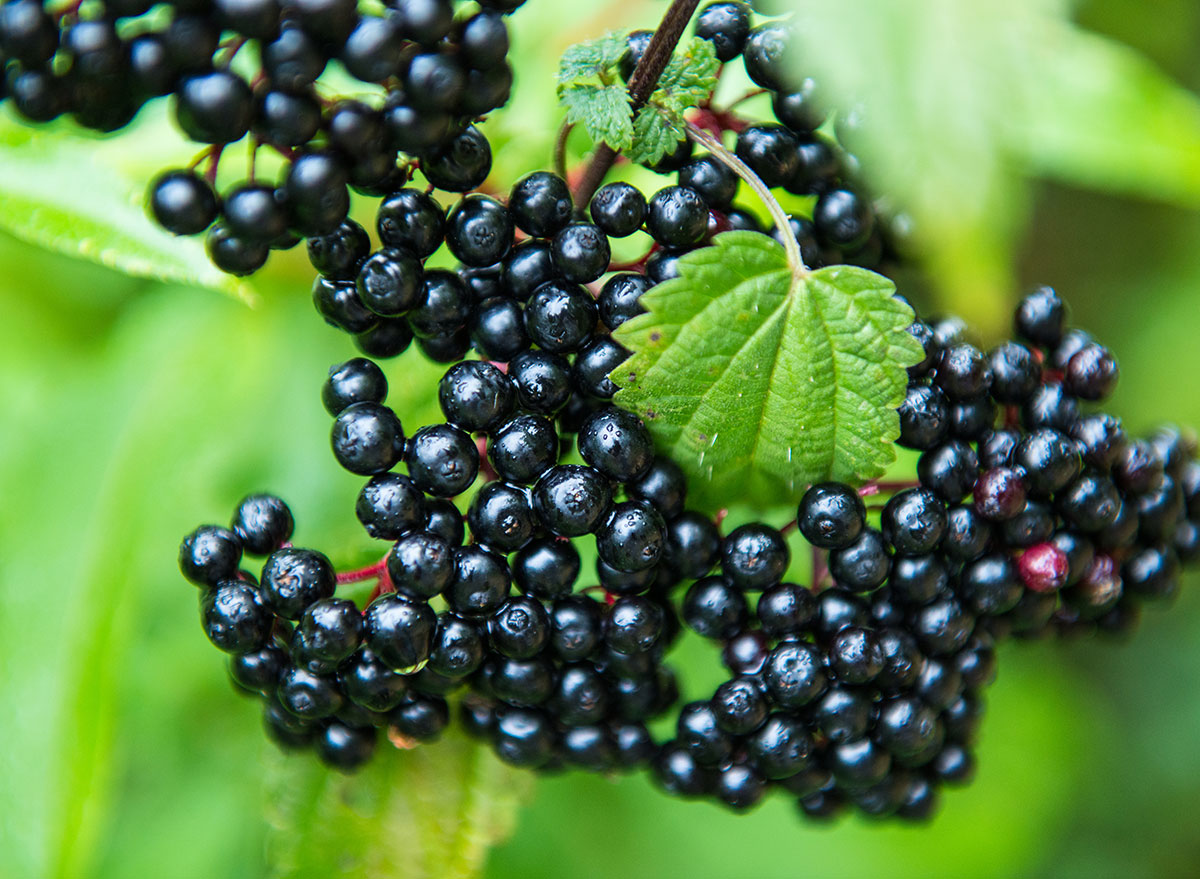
[759, 381]
[432, 812]
[591, 90]
[77, 196]
[993, 92]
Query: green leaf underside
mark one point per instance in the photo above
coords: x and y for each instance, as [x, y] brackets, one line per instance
[598, 58]
[57, 192]
[657, 131]
[751, 380]
[690, 75]
[603, 111]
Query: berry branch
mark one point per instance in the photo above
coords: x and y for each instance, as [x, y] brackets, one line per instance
[642, 83]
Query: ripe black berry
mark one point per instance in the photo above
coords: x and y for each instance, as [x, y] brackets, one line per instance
[618, 209]
[262, 523]
[182, 202]
[442, 460]
[540, 204]
[677, 216]
[209, 555]
[632, 537]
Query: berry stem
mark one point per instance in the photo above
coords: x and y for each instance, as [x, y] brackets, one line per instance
[886, 487]
[214, 160]
[560, 148]
[641, 85]
[370, 572]
[790, 245]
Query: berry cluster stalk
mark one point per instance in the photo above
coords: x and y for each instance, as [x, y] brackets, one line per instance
[642, 83]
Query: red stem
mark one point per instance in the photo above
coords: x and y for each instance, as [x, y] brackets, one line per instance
[886, 487]
[370, 572]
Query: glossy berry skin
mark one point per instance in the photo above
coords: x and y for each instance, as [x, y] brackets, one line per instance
[209, 555]
[619, 298]
[523, 448]
[725, 24]
[523, 737]
[389, 282]
[520, 629]
[831, 515]
[677, 216]
[594, 363]
[693, 545]
[346, 748]
[949, 470]
[764, 54]
[739, 706]
[389, 506]
[1015, 373]
[963, 372]
[781, 747]
[843, 218]
[619, 209]
[314, 190]
[838, 608]
[924, 417]
[770, 152]
[475, 395]
[501, 517]
[1091, 373]
[328, 631]
[679, 774]
[527, 267]
[1050, 461]
[786, 610]
[842, 713]
[293, 578]
[1051, 406]
[999, 494]
[339, 254]
[1090, 503]
[214, 107]
[307, 695]
[443, 306]
[182, 202]
[369, 683]
[367, 438]
[990, 586]
[663, 485]
[497, 329]
[560, 317]
[253, 212]
[632, 537]
[863, 565]
[458, 647]
[576, 626]
[571, 500]
[914, 521]
[421, 564]
[258, 670]
[546, 568]
[419, 717]
[1043, 568]
[754, 556]
[540, 204]
[442, 460]
[234, 618]
[798, 110]
[616, 443]
[698, 732]
[634, 625]
[855, 655]
[714, 608]
[480, 584]
[399, 630]
[580, 252]
[479, 230]
[1039, 318]
[232, 254]
[411, 221]
[358, 380]
[908, 728]
[713, 180]
[461, 164]
[1100, 440]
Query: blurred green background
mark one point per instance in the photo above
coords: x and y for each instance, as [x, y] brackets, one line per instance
[136, 407]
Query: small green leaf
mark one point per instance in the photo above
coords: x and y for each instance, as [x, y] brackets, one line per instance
[657, 131]
[430, 812]
[592, 59]
[62, 192]
[603, 110]
[762, 382]
[690, 76]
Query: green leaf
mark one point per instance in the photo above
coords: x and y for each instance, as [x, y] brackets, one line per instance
[960, 105]
[429, 812]
[690, 75]
[761, 382]
[603, 110]
[73, 195]
[657, 131]
[592, 59]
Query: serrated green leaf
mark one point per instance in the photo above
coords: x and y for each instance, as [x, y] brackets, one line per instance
[431, 812]
[58, 190]
[690, 75]
[603, 110]
[657, 131]
[592, 59]
[762, 382]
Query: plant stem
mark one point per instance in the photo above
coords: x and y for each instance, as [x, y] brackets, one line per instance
[641, 85]
[560, 149]
[790, 245]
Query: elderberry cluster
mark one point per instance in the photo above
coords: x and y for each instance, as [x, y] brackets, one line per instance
[101, 61]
